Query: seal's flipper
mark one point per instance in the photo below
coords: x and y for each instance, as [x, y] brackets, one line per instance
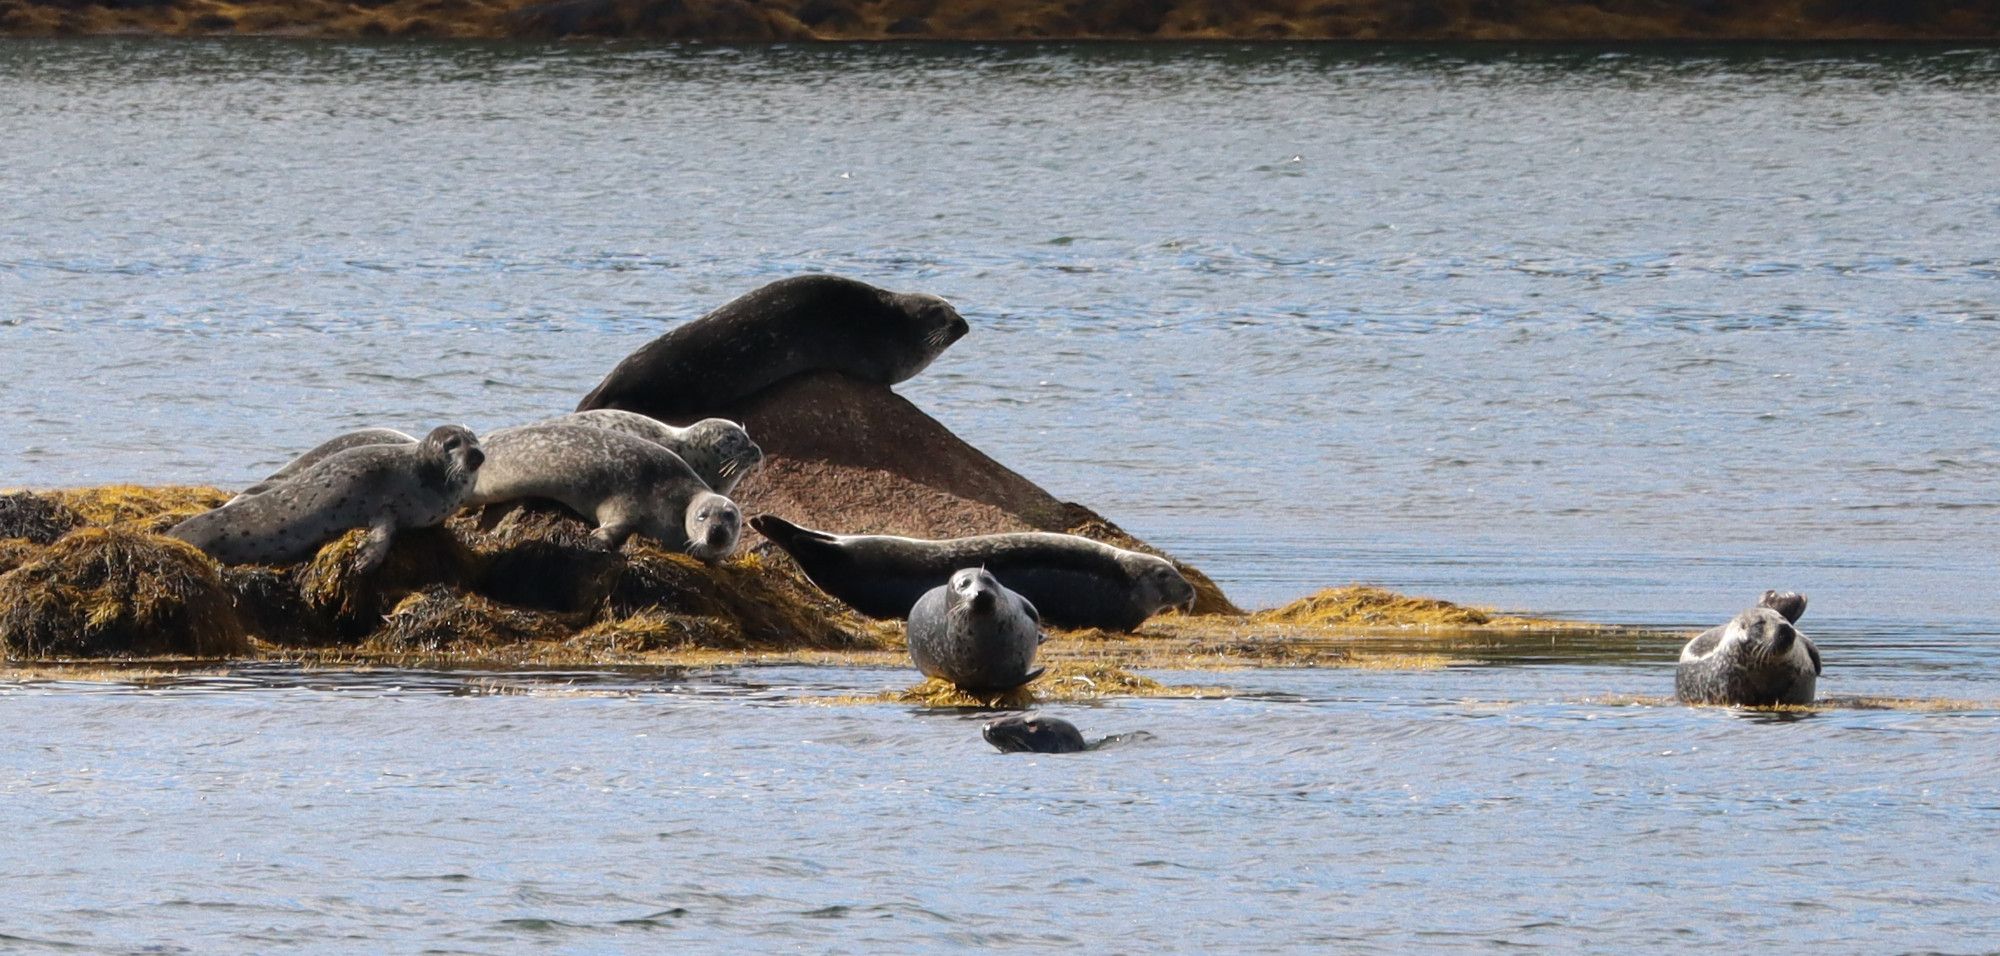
[1788, 604]
[1037, 672]
[1812, 650]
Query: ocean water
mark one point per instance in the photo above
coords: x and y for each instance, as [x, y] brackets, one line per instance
[1628, 336]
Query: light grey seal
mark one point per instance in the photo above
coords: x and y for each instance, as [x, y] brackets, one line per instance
[1757, 659]
[801, 324]
[1074, 581]
[338, 443]
[627, 485]
[384, 488]
[718, 450]
[974, 632]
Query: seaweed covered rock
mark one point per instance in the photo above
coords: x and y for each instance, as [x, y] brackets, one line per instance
[752, 606]
[540, 555]
[441, 620]
[1363, 606]
[654, 630]
[272, 609]
[145, 508]
[15, 552]
[855, 457]
[35, 518]
[101, 592]
[354, 602]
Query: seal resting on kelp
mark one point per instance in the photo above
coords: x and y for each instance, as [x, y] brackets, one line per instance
[627, 485]
[790, 326]
[719, 450]
[384, 488]
[1757, 659]
[355, 439]
[1074, 582]
[974, 632]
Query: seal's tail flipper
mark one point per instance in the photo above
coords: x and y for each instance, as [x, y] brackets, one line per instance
[1037, 672]
[787, 535]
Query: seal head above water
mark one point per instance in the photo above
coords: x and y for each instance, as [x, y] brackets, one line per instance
[1074, 581]
[975, 633]
[790, 326]
[384, 488]
[1034, 734]
[1757, 659]
[627, 485]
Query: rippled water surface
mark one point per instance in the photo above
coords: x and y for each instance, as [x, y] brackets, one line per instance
[1626, 336]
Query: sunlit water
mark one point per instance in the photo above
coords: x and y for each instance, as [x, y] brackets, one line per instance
[1626, 337]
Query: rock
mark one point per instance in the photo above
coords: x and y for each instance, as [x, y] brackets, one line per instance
[34, 518]
[105, 592]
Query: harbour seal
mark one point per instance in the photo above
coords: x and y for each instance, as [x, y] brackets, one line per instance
[383, 488]
[1074, 581]
[626, 484]
[1037, 734]
[975, 633]
[718, 450]
[789, 326]
[338, 443]
[1757, 659]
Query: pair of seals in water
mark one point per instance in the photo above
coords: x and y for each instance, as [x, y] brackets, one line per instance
[801, 324]
[1757, 659]
[1073, 581]
[975, 633]
[384, 488]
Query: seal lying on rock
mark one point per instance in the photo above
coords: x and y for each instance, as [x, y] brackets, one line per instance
[627, 485]
[975, 633]
[338, 443]
[1757, 659]
[787, 327]
[383, 488]
[1074, 581]
[718, 450]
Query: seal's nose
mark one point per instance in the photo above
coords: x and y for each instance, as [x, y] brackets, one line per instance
[718, 537]
[474, 458]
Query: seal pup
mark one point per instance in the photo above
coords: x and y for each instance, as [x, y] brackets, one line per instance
[383, 488]
[718, 450]
[627, 485]
[789, 326]
[974, 632]
[1074, 581]
[338, 443]
[1757, 659]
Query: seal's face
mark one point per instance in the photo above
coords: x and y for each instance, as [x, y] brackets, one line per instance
[460, 449]
[1763, 634]
[932, 323]
[737, 454]
[975, 590]
[713, 525]
[1037, 734]
[1159, 585]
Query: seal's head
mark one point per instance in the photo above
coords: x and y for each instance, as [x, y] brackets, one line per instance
[1157, 584]
[713, 524]
[975, 591]
[1791, 604]
[931, 323]
[458, 447]
[1761, 634]
[728, 446]
[1037, 734]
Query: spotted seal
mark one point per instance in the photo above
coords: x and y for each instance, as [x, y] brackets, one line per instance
[718, 450]
[338, 443]
[384, 488]
[974, 632]
[1074, 581]
[626, 484]
[790, 326]
[1758, 658]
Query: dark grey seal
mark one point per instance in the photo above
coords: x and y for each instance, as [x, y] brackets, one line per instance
[718, 450]
[1757, 659]
[974, 632]
[355, 439]
[790, 326]
[1074, 581]
[1036, 734]
[627, 485]
[383, 488]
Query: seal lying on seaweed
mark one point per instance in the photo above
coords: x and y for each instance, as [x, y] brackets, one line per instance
[975, 633]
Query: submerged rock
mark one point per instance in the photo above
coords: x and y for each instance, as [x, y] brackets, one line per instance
[105, 592]
[856, 458]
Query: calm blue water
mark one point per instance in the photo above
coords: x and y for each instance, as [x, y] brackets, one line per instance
[1629, 337]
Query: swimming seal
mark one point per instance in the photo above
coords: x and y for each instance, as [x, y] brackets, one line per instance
[339, 443]
[975, 633]
[384, 488]
[627, 485]
[1757, 659]
[789, 326]
[718, 450]
[1074, 581]
[1036, 734]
